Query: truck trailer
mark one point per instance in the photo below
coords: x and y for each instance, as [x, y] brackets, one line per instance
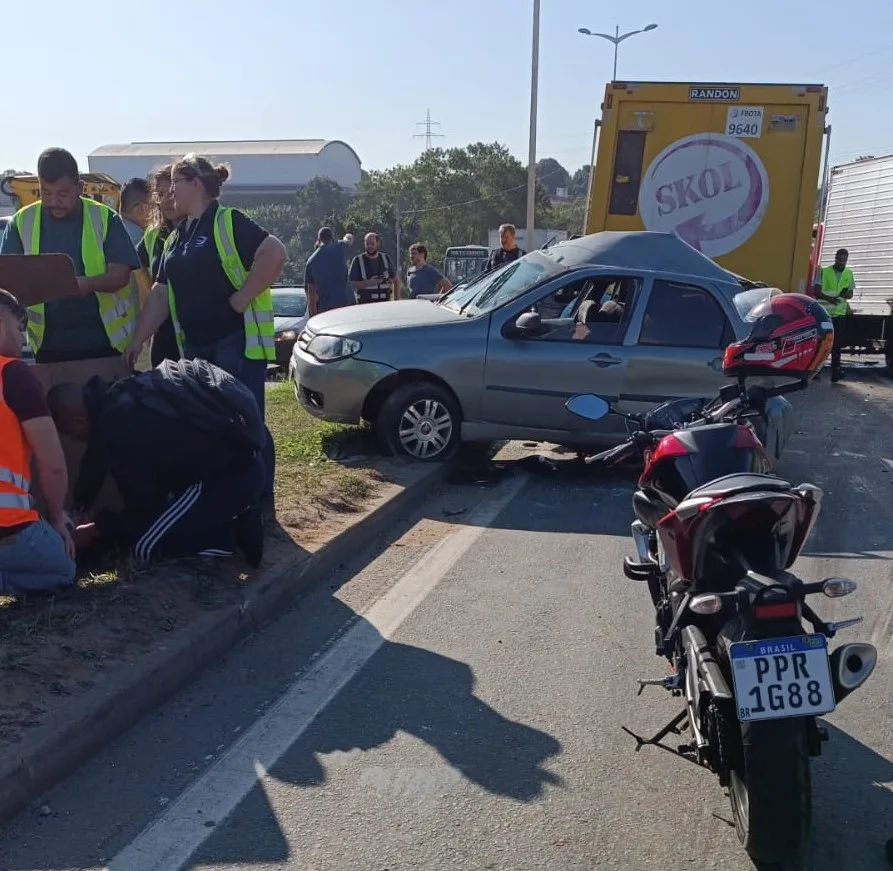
[733, 169]
[857, 214]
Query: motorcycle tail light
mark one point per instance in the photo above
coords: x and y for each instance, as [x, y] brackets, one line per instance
[836, 588]
[776, 611]
[708, 603]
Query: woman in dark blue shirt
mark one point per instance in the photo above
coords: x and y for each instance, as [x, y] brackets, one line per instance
[211, 313]
[165, 218]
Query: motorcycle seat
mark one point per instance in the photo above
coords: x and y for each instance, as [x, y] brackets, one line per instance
[732, 485]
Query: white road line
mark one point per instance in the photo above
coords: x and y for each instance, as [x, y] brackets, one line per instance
[172, 838]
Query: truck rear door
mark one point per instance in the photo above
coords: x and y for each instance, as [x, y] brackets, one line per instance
[721, 167]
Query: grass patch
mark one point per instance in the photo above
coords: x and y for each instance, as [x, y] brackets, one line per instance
[304, 445]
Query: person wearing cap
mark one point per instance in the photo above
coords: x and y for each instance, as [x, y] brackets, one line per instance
[99, 321]
[214, 284]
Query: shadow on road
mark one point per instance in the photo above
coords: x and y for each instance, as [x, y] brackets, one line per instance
[852, 815]
[843, 444]
[400, 689]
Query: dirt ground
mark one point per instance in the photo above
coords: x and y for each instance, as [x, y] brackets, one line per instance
[54, 647]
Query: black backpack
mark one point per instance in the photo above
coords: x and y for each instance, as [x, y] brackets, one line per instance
[202, 395]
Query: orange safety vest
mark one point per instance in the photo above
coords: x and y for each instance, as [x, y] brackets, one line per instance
[16, 506]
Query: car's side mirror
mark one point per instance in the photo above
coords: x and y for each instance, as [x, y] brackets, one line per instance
[529, 324]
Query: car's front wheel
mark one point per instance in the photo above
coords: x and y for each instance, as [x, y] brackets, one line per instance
[420, 420]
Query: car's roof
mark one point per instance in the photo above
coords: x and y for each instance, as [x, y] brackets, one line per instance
[639, 251]
[288, 288]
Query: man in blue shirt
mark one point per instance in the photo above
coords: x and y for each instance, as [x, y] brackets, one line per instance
[422, 278]
[325, 275]
[74, 328]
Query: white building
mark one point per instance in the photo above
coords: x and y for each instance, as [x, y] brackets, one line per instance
[262, 170]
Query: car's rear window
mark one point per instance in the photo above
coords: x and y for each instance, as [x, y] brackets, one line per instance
[289, 304]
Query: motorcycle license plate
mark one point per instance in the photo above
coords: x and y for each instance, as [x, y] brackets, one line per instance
[782, 677]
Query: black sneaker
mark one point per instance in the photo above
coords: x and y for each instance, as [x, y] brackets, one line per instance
[250, 535]
[836, 375]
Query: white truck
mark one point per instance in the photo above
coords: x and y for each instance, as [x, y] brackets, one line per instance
[857, 214]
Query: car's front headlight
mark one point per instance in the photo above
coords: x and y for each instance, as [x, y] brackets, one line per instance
[327, 348]
[286, 336]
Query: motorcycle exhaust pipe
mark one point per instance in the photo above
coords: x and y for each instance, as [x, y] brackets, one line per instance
[851, 665]
[695, 643]
[641, 538]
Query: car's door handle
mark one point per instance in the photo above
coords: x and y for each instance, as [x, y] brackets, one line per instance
[603, 360]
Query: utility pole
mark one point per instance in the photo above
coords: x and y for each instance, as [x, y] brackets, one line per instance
[531, 157]
[429, 133]
[399, 263]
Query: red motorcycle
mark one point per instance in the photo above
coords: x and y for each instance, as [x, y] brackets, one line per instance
[715, 537]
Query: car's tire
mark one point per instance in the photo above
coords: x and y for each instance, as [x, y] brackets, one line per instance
[770, 791]
[421, 420]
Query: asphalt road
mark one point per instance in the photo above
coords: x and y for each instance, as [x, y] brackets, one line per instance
[455, 700]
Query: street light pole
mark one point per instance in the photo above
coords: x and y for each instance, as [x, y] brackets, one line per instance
[531, 155]
[616, 39]
[616, 47]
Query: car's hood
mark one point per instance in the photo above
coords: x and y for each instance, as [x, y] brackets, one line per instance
[377, 316]
[280, 324]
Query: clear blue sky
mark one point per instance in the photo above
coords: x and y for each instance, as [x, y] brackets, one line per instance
[366, 72]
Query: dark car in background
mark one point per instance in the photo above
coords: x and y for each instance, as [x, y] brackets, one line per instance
[289, 318]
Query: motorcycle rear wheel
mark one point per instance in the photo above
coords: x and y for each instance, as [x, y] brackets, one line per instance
[771, 790]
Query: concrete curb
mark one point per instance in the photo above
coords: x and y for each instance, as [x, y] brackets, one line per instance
[89, 723]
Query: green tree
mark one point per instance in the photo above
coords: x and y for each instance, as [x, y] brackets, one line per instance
[570, 216]
[579, 186]
[552, 175]
[446, 197]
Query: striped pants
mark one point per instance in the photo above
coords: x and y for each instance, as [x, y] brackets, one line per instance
[201, 518]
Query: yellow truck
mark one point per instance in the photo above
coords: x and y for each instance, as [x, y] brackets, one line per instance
[24, 189]
[733, 169]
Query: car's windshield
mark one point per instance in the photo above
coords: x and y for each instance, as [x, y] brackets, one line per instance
[748, 300]
[503, 285]
[289, 303]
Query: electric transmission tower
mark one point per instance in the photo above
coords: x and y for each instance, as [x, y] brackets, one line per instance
[429, 133]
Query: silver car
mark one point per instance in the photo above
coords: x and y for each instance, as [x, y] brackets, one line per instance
[635, 317]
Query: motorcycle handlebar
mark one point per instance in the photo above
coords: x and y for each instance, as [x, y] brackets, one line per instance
[611, 453]
[754, 400]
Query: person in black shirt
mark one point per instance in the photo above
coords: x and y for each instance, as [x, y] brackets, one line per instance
[185, 489]
[373, 275]
[211, 312]
[508, 250]
[165, 217]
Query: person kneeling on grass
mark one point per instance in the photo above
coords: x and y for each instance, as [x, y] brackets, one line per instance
[183, 444]
[35, 554]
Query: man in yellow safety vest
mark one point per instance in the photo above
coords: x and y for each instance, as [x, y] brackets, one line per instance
[100, 321]
[833, 286]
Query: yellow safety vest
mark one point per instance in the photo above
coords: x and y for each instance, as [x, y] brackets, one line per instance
[258, 317]
[150, 239]
[117, 310]
[833, 284]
